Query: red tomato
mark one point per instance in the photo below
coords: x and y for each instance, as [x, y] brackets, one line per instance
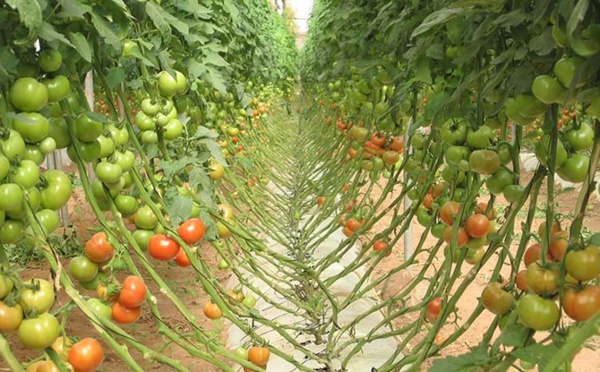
[381, 245]
[86, 355]
[125, 315]
[462, 237]
[163, 248]
[98, 249]
[133, 293]
[192, 230]
[182, 259]
[259, 355]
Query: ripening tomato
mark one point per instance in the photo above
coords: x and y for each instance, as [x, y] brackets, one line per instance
[133, 293]
[497, 300]
[433, 309]
[462, 237]
[537, 313]
[449, 211]
[259, 355]
[86, 355]
[521, 281]
[558, 245]
[98, 248]
[583, 264]
[192, 231]
[212, 311]
[477, 225]
[381, 245]
[581, 304]
[543, 280]
[163, 248]
[10, 317]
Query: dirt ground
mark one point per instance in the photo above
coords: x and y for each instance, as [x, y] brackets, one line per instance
[587, 360]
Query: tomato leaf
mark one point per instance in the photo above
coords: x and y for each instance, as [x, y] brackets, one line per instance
[73, 9]
[436, 19]
[8, 63]
[104, 29]
[115, 77]
[542, 44]
[460, 363]
[193, 7]
[171, 169]
[215, 150]
[48, 33]
[154, 13]
[81, 45]
[537, 353]
[30, 12]
[179, 209]
[514, 335]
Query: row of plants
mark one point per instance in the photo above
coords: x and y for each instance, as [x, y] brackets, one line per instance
[465, 85]
[175, 84]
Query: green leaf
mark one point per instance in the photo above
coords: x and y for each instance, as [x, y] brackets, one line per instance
[81, 45]
[215, 78]
[199, 179]
[96, 117]
[514, 335]
[436, 19]
[48, 33]
[215, 150]
[543, 44]
[537, 353]
[422, 71]
[462, 363]
[73, 9]
[180, 209]
[214, 58]
[154, 13]
[171, 169]
[104, 29]
[510, 19]
[30, 12]
[197, 10]
[115, 77]
[8, 63]
[205, 132]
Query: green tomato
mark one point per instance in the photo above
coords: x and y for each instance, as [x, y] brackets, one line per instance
[565, 70]
[13, 146]
[548, 90]
[50, 60]
[537, 313]
[87, 129]
[581, 138]
[6, 285]
[125, 160]
[38, 295]
[512, 193]
[26, 174]
[454, 131]
[484, 162]
[100, 308]
[249, 301]
[83, 269]
[149, 137]
[542, 152]
[107, 146]
[11, 197]
[144, 122]
[454, 154]
[499, 180]
[33, 153]
[529, 107]
[49, 220]
[150, 107]
[57, 190]
[89, 151]
[481, 138]
[119, 136]
[169, 86]
[47, 146]
[108, 172]
[11, 231]
[59, 132]
[142, 237]
[58, 87]
[575, 169]
[126, 204]
[145, 218]
[173, 129]
[4, 167]
[27, 94]
[223, 265]
[39, 332]
[32, 126]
